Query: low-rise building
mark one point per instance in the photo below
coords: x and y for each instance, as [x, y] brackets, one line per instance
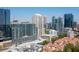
[53, 33]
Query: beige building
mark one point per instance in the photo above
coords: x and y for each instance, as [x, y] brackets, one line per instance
[39, 20]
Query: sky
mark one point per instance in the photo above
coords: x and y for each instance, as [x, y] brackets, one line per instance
[26, 13]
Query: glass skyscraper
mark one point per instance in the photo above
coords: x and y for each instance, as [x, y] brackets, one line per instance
[23, 29]
[23, 32]
[5, 23]
[57, 24]
[27, 29]
[68, 20]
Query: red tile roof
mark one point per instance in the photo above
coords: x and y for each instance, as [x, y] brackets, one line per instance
[58, 45]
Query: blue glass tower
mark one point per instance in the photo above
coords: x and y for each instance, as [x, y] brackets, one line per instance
[5, 22]
[68, 20]
[57, 24]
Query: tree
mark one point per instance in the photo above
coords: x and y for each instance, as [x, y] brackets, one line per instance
[76, 48]
[54, 39]
[1, 47]
[69, 48]
[44, 42]
[62, 35]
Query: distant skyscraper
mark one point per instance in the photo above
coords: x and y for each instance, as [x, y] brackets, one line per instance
[74, 24]
[40, 21]
[60, 25]
[57, 24]
[54, 22]
[5, 22]
[48, 26]
[68, 20]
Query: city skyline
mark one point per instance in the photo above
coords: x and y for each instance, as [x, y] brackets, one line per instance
[26, 13]
[38, 35]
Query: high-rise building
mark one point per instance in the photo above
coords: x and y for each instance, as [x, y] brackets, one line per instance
[57, 24]
[74, 24]
[40, 21]
[54, 22]
[28, 29]
[5, 23]
[68, 20]
[20, 29]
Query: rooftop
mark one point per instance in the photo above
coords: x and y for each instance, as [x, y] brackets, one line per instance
[58, 45]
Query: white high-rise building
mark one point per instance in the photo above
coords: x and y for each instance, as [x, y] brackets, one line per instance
[40, 21]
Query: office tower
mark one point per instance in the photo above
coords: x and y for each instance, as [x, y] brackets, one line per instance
[54, 22]
[28, 29]
[60, 25]
[57, 24]
[68, 20]
[23, 29]
[40, 21]
[5, 23]
[74, 24]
